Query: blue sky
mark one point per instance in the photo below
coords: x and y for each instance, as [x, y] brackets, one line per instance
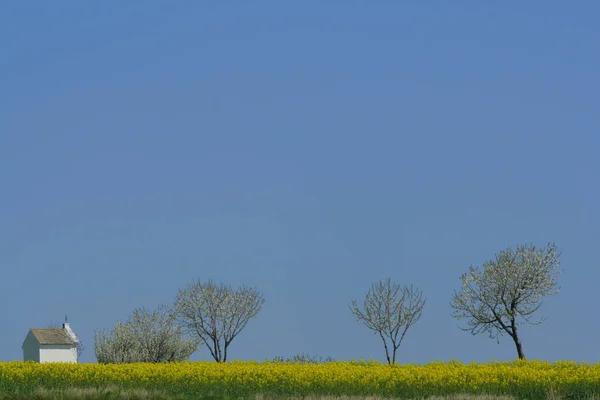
[306, 149]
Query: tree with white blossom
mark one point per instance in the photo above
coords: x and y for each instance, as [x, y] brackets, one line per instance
[148, 336]
[216, 314]
[389, 310]
[507, 291]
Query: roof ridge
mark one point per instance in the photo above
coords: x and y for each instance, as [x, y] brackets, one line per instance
[53, 336]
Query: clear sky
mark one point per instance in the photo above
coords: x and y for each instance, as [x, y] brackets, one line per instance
[307, 149]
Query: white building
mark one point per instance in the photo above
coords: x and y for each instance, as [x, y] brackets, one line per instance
[51, 345]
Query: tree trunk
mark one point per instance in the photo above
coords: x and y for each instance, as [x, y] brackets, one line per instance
[216, 352]
[519, 347]
[515, 337]
[387, 353]
[212, 353]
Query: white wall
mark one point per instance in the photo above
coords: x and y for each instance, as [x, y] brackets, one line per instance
[30, 348]
[58, 353]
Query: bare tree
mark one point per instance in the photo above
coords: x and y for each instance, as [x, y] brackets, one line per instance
[507, 288]
[80, 349]
[147, 336]
[216, 314]
[390, 310]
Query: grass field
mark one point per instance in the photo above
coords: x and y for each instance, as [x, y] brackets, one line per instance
[533, 380]
[141, 394]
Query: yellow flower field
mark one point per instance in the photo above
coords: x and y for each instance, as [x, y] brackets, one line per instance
[523, 379]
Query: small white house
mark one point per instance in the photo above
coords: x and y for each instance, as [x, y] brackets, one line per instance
[51, 345]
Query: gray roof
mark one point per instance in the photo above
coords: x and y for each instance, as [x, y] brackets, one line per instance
[52, 336]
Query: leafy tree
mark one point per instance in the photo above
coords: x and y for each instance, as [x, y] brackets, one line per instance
[147, 336]
[216, 314]
[502, 295]
[390, 310]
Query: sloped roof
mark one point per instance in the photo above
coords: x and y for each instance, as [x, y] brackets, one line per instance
[52, 336]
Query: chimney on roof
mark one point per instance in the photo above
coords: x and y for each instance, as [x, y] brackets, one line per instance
[70, 332]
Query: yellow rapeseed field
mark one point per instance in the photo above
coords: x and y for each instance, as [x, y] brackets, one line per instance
[523, 379]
